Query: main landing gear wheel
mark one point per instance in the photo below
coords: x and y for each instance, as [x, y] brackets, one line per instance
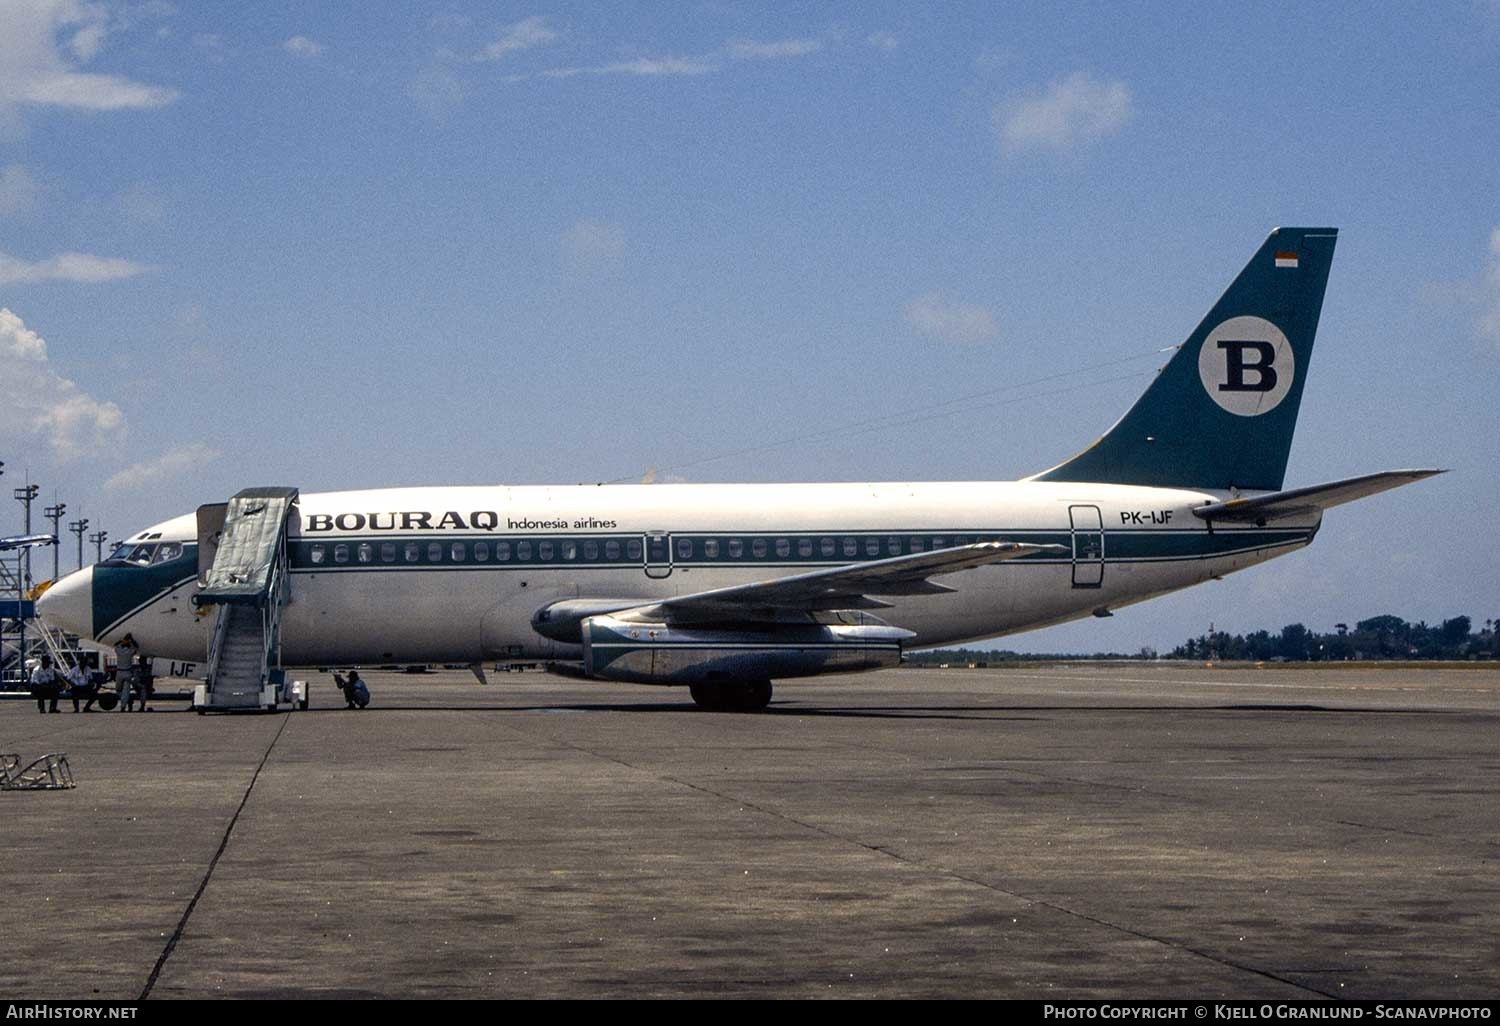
[732, 695]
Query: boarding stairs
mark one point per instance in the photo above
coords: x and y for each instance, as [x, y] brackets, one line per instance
[25, 637]
[246, 585]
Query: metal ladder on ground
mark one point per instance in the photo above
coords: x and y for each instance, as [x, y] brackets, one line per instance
[247, 585]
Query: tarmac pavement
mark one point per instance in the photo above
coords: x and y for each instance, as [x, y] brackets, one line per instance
[1080, 831]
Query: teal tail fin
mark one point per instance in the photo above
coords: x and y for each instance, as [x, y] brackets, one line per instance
[1222, 412]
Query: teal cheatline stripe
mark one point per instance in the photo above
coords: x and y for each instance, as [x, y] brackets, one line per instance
[120, 589]
[1183, 432]
[1158, 545]
[374, 553]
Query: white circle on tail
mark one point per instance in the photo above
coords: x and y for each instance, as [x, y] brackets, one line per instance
[1247, 366]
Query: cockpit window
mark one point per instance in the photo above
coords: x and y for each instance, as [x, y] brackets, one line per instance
[146, 553]
[141, 554]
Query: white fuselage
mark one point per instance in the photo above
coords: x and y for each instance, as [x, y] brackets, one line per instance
[416, 575]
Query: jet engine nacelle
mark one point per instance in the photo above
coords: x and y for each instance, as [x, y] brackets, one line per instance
[657, 653]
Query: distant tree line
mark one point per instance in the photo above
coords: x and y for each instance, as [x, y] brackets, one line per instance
[1379, 637]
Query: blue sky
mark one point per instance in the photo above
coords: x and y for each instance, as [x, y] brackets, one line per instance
[352, 245]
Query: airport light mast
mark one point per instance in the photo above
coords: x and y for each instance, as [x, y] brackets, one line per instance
[54, 514]
[78, 527]
[98, 539]
[23, 572]
[24, 496]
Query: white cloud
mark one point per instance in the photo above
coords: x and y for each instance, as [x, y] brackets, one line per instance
[593, 243]
[523, 35]
[648, 66]
[88, 41]
[42, 403]
[19, 191]
[301, 46]
[1488, 324]
[938, 316]
[1071, 111]
[886, 41]
[75, 267]
[751, 50]
[42, 43]
[172, 464]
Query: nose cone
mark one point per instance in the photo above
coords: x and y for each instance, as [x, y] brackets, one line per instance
[69, 603]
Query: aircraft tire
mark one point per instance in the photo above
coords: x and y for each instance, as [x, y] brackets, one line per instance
[709, 695]
[753, 696]
[732, 696]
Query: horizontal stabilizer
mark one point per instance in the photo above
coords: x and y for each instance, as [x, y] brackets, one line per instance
[1295, 502]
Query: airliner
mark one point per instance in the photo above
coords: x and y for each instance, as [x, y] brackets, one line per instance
[723, 588]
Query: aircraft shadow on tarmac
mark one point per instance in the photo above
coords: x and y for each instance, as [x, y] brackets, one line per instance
[912, 712]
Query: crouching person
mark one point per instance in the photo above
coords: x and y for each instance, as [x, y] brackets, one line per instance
[46, 683]
[356, 694]
[80, 687]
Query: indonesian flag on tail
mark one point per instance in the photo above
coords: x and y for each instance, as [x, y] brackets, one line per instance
[1286, 258]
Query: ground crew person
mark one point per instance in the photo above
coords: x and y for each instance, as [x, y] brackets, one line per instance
[125, 652]
[45, 684]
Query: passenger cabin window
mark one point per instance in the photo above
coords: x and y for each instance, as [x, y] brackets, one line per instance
[523, 550]
[569, 550]
[502, 551]
[851, 548]
[758, 548]
[893, 546]
[481, 552]
[459, 551]
[804, 547]
[826, 547]
[366, 552]
[413, 552]
[341, 553]
[316, 554]
[611, 549]
[916, 544]
[633, 549]
[544, 551]
[783, 548]
[434, 552]
[711, 548]
[684, 548]
[590, 550]
[736, 548]
[872, 546]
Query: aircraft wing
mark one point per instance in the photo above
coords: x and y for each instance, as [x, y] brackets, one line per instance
[22, 541]
[1295, 502]
[843, 587]
[852, 586]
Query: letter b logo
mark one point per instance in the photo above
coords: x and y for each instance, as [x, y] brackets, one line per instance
[1234, 354]
[1246, 365]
